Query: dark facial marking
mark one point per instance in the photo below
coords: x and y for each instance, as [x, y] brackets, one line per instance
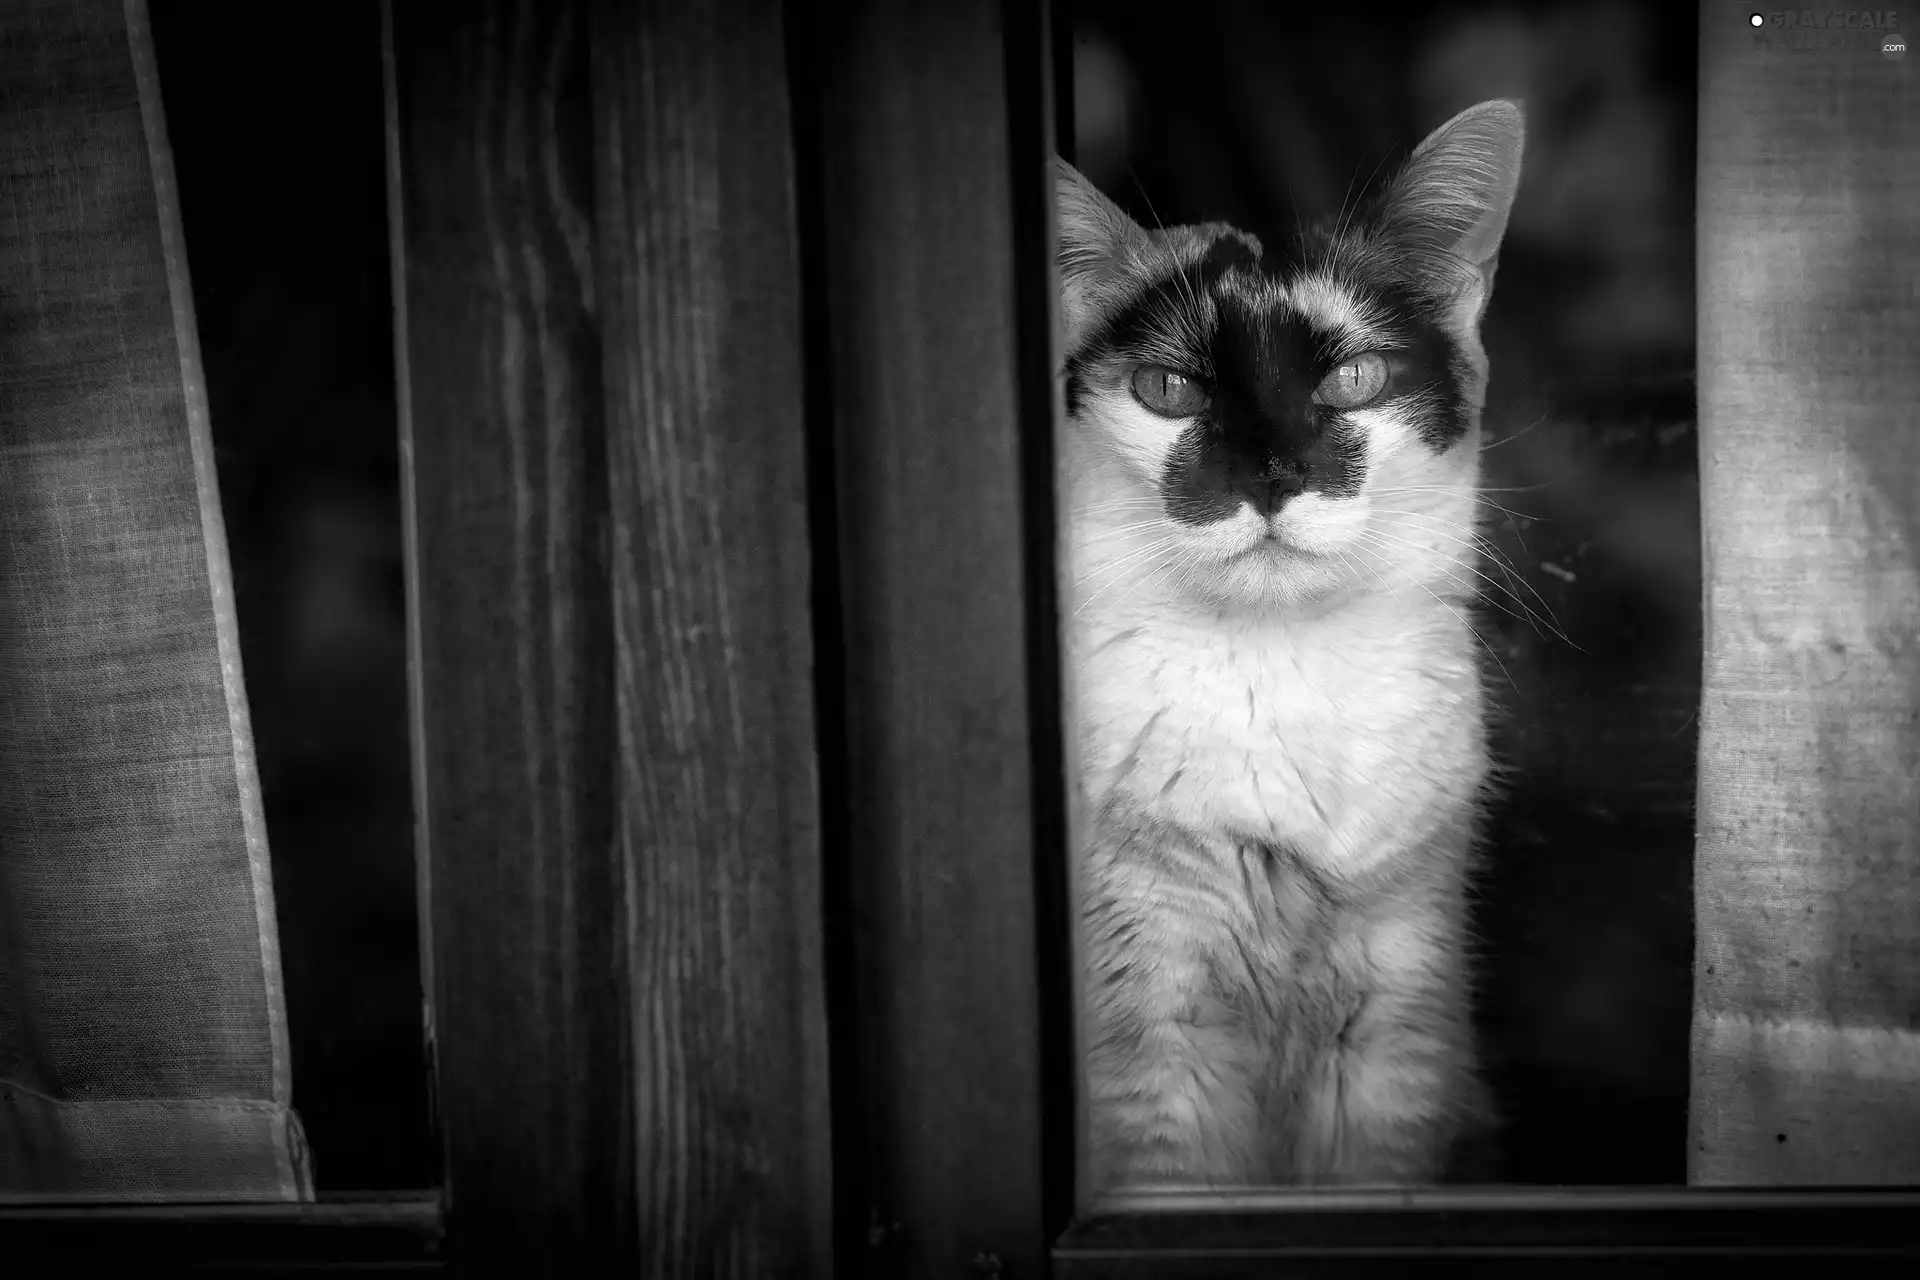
[1231, 252]
[1263, 439]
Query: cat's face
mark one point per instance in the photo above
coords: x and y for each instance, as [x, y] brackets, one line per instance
[1274, 422]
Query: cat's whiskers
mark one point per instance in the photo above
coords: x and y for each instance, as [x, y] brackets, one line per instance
[1126, 505]
[1120, 561]
[1350, 211]
[1119, 530]
[1121, 567]
[1466, 535]
[1387, 541]
[1461, 532]
[1181, 280]
[1176, 566]
[1448, 606]
[1477, 495]
[1432, 558]
[1495, 444]
[1513, 517]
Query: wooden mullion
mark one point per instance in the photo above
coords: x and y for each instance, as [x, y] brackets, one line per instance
[932, 151]
[503, 446]
[719, 822]
[1033, 36]
[610, 569]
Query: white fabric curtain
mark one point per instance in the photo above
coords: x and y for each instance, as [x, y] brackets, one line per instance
[1806, 1036]
[143, 1045]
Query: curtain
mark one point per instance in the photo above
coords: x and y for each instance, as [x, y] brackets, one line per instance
[1806, 1035]
[143, 1045]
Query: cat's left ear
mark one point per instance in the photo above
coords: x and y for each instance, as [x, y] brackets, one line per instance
[1448, 207]
[1098, 247]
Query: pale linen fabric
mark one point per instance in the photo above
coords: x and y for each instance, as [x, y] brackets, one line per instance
[1806, 1036]
[143, 1047]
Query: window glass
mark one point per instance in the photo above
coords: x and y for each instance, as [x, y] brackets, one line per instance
[282, 188]
[1279, 573]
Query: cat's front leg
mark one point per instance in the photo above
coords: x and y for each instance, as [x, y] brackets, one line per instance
[1172, 1072]
[1402, 1100]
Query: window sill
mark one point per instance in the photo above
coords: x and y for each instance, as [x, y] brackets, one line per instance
[362, 1234]
[1494, 1228]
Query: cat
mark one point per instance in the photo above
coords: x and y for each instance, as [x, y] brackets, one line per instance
[1270, 462]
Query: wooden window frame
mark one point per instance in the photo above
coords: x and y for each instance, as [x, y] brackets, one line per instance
[590, 537]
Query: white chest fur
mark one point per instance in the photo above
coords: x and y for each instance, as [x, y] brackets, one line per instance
[1349, 737]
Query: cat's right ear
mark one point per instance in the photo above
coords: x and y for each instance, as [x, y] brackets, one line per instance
[1447, 209]
[1100, 247]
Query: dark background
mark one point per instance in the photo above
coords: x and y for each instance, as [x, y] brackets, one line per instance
[1245, 112]
[275, 114]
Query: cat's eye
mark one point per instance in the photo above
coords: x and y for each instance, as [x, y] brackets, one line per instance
[1169, 394]
[1353, 383]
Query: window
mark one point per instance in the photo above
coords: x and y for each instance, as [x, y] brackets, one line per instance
[736, 685]
[1588, 625]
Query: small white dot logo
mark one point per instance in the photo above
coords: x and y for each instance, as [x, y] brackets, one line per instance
[1894, 47]
[1756, 20]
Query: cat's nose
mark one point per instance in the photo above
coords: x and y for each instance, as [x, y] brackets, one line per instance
[1268, 493]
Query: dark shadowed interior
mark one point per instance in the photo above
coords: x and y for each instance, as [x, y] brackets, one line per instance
[275, 117]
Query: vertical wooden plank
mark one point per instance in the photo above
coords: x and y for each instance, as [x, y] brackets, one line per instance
[510, 617]
[932, 144]
[707, 472]
[1038, 49]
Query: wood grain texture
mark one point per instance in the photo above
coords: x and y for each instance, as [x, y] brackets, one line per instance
[611, 567]
[503, 442]
[707, 471]
[933, 363]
